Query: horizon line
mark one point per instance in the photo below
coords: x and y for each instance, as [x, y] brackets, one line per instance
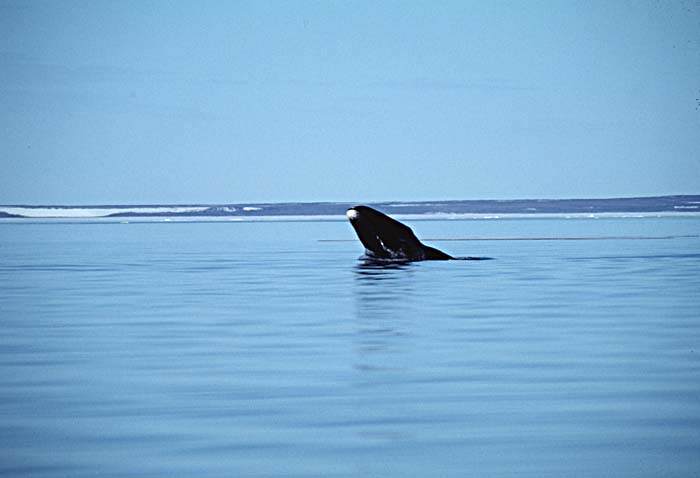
[190, 204]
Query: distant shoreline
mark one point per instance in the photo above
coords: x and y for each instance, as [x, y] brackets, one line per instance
[677, 206]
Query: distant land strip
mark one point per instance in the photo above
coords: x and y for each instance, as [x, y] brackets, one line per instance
[685, 205]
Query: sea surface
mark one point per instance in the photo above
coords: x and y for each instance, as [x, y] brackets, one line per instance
[266, 349]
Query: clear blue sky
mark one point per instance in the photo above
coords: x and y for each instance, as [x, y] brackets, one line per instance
[149, 102]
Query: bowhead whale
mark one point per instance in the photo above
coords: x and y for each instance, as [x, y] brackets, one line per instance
[385, 238]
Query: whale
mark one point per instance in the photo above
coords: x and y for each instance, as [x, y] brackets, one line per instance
[386, 239]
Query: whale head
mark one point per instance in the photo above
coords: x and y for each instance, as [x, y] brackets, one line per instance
[388, 239]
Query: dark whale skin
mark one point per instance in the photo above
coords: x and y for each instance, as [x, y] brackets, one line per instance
[387, 239]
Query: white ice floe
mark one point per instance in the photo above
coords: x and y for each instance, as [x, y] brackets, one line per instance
[94, 212]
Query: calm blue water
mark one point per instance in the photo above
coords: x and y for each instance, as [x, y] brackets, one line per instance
[253, 349]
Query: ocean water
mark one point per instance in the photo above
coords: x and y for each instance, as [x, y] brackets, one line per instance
[258, 349]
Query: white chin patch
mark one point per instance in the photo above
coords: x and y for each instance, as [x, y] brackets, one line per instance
[352, 214]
